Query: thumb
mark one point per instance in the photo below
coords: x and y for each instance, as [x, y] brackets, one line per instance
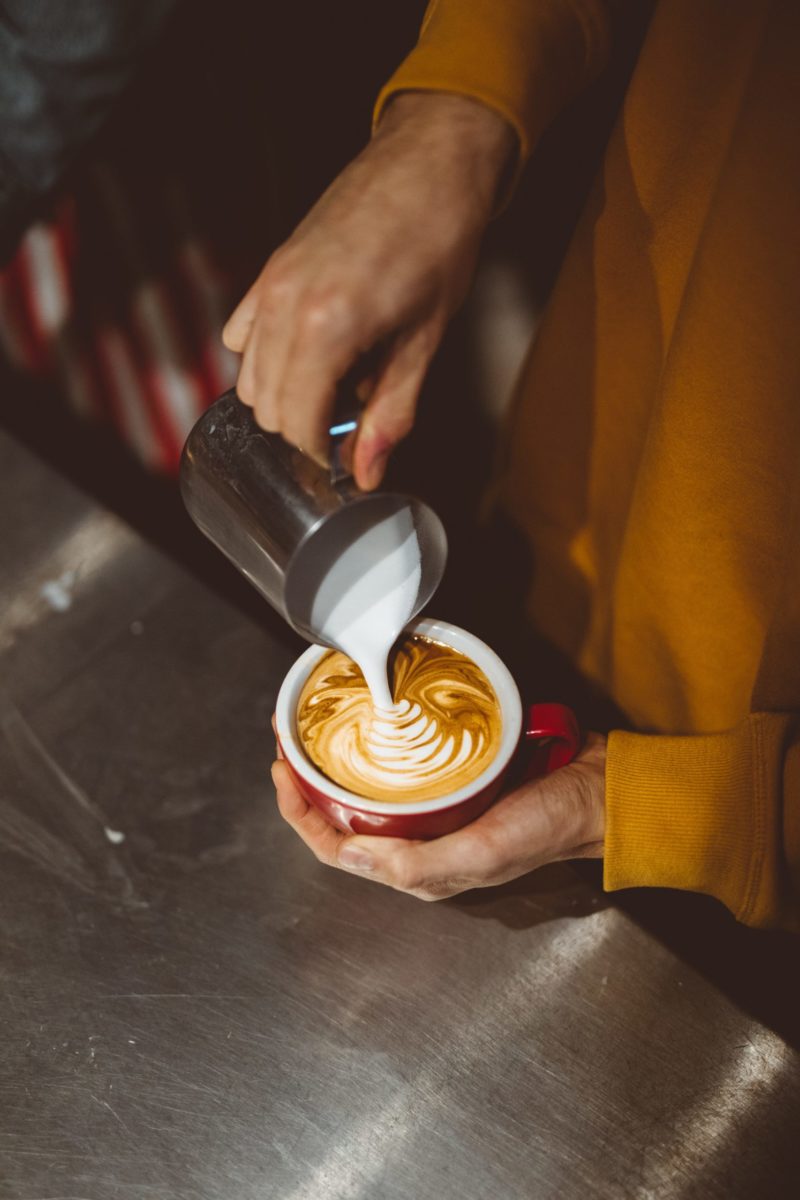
[390, 413]
[428, 870]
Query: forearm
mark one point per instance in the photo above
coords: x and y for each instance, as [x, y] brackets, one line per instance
[382, 260]
[524, 59]
[451, 132]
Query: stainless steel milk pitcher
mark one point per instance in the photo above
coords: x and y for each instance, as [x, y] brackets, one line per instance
[283, 519]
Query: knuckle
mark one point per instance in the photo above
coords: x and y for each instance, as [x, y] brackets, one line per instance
[399, 424]
[407, 878]
[275, 296]
[386, 428]
[279, 279]
[324, 312]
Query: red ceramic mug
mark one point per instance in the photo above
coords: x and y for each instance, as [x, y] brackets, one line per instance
[549, 734]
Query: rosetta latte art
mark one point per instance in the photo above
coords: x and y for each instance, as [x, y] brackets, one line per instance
[442, 732]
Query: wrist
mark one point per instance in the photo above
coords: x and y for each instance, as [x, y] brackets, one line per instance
[458, 131]
[590, 776]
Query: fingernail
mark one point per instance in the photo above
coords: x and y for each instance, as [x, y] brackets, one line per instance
[355, 858]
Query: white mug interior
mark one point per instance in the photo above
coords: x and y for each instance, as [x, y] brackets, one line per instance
[493, 667]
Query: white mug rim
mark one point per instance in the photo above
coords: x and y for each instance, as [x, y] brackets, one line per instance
[499, 676]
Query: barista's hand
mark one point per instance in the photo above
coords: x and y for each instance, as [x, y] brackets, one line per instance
[558, 817]
[384, 257]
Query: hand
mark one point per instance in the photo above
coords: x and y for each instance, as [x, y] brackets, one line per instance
[560, 816]
[383, 258]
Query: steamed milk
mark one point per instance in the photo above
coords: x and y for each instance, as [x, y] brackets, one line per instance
[369, 596]
[435, 725]
[442, 733]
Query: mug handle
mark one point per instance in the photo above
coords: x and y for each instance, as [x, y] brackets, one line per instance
[552, 738]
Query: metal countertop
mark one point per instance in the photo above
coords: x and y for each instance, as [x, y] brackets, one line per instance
[193, 1009]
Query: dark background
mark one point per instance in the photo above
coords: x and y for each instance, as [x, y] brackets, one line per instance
[258, 107]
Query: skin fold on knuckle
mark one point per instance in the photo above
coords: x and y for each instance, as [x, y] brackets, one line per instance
[572, 814]
[384, 426]
[405, 875]
[590, 816]
[279, 281]
[396, 423]
[324, 315]
[442, 889]
[485, 849]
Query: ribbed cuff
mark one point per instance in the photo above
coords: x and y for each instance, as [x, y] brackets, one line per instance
[523, 58]
[701, 814]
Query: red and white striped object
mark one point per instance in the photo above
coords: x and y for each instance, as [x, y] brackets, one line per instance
[130, 336]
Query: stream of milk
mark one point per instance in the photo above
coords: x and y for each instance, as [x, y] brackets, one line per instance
[369, 596]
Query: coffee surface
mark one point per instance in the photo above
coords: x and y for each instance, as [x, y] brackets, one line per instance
[442, 732]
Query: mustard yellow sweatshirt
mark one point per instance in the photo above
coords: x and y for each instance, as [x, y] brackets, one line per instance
[653, 456]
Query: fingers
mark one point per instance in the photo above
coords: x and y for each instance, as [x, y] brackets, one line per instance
[262, 328]
[548, 820]
[510, 839]
[433, 870]
[392, 406]
[430, 870]
[239, 324]
[324, 345]
[320, 837]
[298, 340]
[290, 378]
[385, 253]
[405, 865]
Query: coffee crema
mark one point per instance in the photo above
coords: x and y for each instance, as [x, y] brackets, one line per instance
[442, 732]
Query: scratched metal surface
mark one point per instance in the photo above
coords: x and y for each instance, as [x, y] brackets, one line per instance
[192, 1009]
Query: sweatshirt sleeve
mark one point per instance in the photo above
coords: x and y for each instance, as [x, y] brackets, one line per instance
[715, 813]
[524, 58]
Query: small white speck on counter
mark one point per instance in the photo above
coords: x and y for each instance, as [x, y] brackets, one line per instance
[113, 835]
[58, 592]
[137, 628]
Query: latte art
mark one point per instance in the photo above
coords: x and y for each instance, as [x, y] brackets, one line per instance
[442, 731]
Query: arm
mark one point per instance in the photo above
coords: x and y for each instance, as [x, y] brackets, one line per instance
[386, 256]
[388, 252]
[526, 59]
